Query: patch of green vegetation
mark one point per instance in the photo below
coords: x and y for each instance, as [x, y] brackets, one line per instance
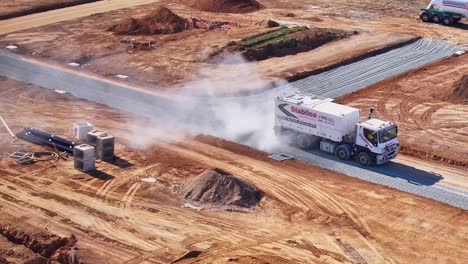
[269, 37]
[290, 42]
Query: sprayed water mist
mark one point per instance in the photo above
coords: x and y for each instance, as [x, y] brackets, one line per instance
[213, 104]
[235, 117]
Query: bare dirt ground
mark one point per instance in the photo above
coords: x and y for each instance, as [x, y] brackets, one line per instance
[307, 214]
[356, 8]
[433, 122]
[15, 8]
[55, 16]
[177, 58]
[224, 6]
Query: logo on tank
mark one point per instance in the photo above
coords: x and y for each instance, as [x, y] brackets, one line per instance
[303, 112]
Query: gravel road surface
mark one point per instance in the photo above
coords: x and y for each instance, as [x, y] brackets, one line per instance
[355, 76]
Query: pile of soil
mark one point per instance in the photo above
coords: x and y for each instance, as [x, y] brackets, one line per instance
[217, 187]
[460, 90]
[294, 43]
[160, 21]
[224, 6]
[48, 247]
[271, 23]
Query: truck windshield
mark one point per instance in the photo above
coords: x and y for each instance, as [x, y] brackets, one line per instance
[388, 134]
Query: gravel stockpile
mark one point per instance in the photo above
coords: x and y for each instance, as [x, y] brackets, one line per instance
[217, 187]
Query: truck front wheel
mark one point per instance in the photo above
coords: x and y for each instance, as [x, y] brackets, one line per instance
[363, 159]
[425, 17]
[343, 152]
[303, 141]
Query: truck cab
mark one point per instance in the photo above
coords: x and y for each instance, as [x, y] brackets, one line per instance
[376, 141]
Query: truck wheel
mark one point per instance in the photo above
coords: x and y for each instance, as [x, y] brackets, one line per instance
[303, 141]
[425, 17]
[447, 21]
[363, 159]
[436, 18]
[343, 152]
[315, 141]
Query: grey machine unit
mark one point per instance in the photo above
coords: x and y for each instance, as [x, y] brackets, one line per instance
[81, 130]
[105, 147]
[93, 135]
[84, 158]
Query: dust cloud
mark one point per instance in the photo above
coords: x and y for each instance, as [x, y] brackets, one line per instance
[200, 108]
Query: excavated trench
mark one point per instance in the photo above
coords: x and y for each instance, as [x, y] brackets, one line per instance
[49, 247]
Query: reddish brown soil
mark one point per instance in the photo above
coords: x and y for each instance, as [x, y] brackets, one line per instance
[11, 253]
[224, 6]
[303, 41]
[216, 187]
[308, 214]
[460, 91]
[160, 21]
[23, 243]
[356, 8]
[16, 8]
[422, 101]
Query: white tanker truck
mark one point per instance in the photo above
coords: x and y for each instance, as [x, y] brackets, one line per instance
[447, 12]
[336, 128]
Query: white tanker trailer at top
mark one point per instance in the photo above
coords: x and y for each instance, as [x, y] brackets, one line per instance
[447, 12]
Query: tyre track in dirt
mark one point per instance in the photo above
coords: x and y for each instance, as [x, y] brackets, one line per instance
[100, 225]
[129, 195]
[326, 201]
[337, 206]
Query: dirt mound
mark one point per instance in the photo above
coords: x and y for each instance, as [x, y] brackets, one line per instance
[217, 187]
[460, 89]
[271, 23]
[160, 21]
[280, 42]
[224, 6]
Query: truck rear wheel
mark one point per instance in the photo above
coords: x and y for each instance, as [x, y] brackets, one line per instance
[447, 21]
[363, 159]
[343, 152]
[425, 17]
[303, 141]
[436, 18]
